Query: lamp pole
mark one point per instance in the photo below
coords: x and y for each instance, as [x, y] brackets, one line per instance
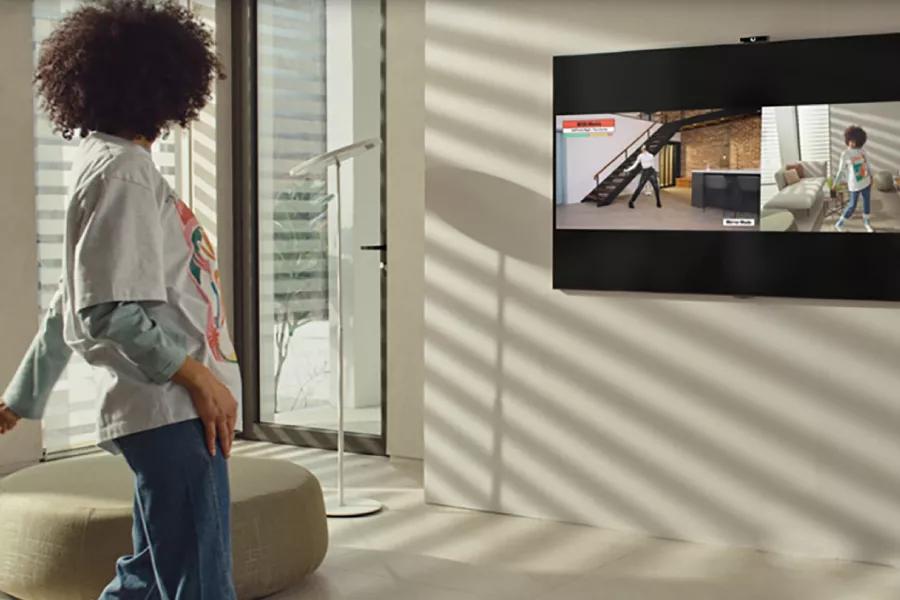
[341, 506]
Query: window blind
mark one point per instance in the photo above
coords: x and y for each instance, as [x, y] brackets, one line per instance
[293, 235]
[813, 125]
[770, 158]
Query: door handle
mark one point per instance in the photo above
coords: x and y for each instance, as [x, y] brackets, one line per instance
[380, 248]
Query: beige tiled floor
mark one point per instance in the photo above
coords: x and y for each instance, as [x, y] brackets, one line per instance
[413, 551]
[676, 214]
[885, 215]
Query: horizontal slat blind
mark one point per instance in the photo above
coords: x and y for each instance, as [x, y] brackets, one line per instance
[293, 234]
[770, 159]
[813, 124]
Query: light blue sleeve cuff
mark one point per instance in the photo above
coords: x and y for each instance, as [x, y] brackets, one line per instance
[42, 366]
[172, 357]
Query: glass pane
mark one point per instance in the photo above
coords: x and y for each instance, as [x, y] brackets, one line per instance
[318, 89]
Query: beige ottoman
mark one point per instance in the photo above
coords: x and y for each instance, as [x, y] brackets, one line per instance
[64, 523]
[884, 181]
[777, 220]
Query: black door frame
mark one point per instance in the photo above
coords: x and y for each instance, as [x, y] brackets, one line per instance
[246, 252]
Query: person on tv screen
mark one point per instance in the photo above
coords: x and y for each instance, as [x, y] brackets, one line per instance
[854, 166]
[647, 163]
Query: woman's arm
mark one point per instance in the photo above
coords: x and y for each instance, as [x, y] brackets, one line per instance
[47, 357]
[126, 325]
[129, 327]
[161, 359]
[140, 339]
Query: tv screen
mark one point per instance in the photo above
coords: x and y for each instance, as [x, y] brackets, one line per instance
[744, 169]
[668, 169]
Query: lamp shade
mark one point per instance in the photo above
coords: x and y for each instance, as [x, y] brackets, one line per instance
[334, 156]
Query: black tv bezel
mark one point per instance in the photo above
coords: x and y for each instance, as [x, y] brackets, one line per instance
[780, 73]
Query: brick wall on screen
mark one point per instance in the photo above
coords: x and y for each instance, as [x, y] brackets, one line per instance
[734, 145]
[745, 143]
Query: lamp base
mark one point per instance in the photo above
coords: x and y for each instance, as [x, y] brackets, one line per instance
[352, 507]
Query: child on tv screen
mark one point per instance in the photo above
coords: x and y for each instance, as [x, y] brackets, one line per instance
[855, 168]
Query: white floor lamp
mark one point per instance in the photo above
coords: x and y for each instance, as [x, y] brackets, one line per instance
[340, 506]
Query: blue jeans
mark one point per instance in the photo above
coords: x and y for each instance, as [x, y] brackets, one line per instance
[854, 197]
[181, 532]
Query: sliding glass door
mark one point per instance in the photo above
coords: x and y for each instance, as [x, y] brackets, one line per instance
[316, 87]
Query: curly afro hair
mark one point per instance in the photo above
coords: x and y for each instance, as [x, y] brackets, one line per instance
[126, 67]
[857, 135]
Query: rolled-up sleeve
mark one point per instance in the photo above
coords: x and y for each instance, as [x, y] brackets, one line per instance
[139, 338]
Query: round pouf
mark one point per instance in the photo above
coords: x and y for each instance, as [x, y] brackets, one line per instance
[777, 220]
[63, 525]
[884, 181]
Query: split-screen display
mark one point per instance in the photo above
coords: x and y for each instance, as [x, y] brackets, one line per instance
[811, 168]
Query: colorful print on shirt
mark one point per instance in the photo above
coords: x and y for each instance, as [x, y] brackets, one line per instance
[858, 162]
[205, 274]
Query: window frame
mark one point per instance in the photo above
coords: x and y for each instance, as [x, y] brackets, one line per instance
[245, 205]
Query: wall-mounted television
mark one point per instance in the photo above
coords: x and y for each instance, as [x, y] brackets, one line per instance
[766, 169]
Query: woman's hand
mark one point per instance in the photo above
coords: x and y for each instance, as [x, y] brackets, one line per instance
[8, 419]
[214, 403]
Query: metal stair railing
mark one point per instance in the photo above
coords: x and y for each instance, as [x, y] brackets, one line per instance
[642, 137]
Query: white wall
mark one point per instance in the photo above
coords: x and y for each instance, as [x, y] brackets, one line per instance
[762, 423]
[881, 120]
[585, 156]
[18, 225]
[405, 115]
